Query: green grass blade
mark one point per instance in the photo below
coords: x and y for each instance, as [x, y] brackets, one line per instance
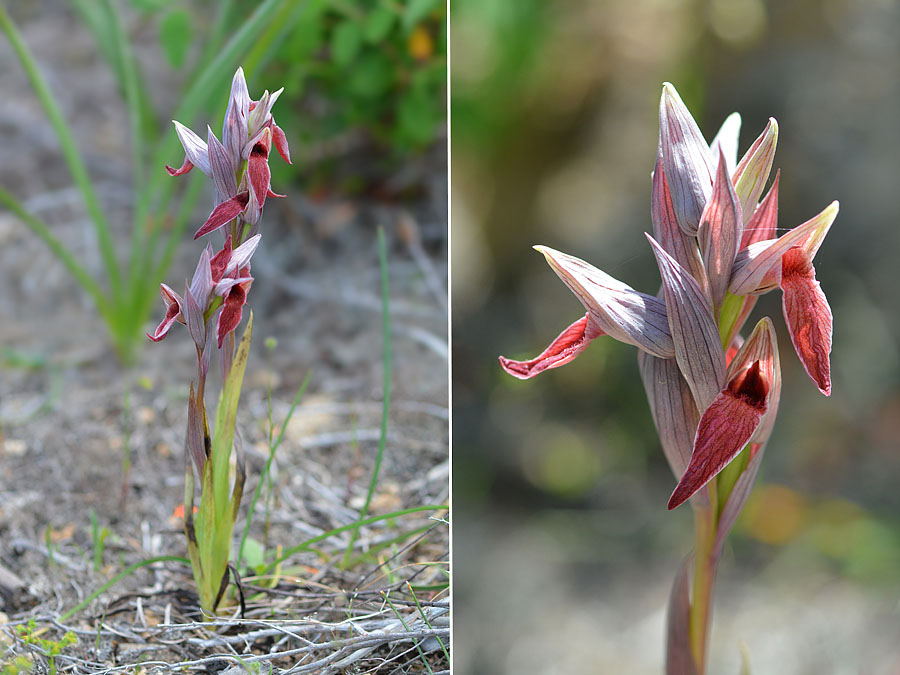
[42, 230]
[386, 382]
[427, 622]
[387, 597]
[265, 471]
[306, 545]
[67, 144]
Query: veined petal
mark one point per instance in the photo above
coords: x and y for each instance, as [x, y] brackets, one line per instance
[693, 329]
[240, 257]
[234, 128]
[194, 148]
[817, 236]
[259, 113]
[753, 170]
[763, 224]
[808, 316]
[667, 231]
[258, 167]
[686, 157]
[618, 310]
[230, 317]
[174, 307]
[221, 167]
[726, 140]
[224, 286]
[202, 282]
[219, 262]
[725, 428]
[569, 344]
[673, 409]
[720, 233]
[753, 264]
[193, 314]
[762, 346]
[223, 213]
[183, 169]
[281, 143]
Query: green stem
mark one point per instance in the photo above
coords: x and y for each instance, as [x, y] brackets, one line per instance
[705, 520]
[68, 146]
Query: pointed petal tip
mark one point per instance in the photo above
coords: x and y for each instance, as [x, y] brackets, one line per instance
[679, 497]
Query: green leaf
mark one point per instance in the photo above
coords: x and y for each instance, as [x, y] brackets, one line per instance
[226, 416]
[254, 553]
[345, 42]
[371, 77]
[417, 118]
[378, 24]
[417, 10]
[175, 36]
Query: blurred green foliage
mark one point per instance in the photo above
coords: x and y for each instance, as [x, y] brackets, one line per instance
[371, 66]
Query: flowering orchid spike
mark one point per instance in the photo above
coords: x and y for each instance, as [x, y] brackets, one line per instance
[686, 157]
[752, 171]
[694, 333]
[720, 233]
[570, 343]
[617, 309]
[734, 416]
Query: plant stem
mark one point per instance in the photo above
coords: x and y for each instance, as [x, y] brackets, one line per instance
[705, 520]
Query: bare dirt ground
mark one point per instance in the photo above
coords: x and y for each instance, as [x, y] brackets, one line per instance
[70, 414]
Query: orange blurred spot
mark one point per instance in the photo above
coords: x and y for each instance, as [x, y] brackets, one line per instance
[179, 511]
[420, 45]
[775, 514]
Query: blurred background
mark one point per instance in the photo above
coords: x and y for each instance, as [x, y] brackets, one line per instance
[564, 549]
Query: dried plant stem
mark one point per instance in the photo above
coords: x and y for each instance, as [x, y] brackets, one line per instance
[705, 563]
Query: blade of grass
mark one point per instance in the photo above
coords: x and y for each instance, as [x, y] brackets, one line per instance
[131, 569]
[306, 545]
[67, 144]
[265, 472]
[427, 622]
[42, 230]
[387, 598]
[386, 383]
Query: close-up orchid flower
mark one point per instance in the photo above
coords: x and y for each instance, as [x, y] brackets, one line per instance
[213, 303]
[713, 394]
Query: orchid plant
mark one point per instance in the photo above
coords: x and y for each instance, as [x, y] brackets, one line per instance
[713, 395]
[211, 308]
